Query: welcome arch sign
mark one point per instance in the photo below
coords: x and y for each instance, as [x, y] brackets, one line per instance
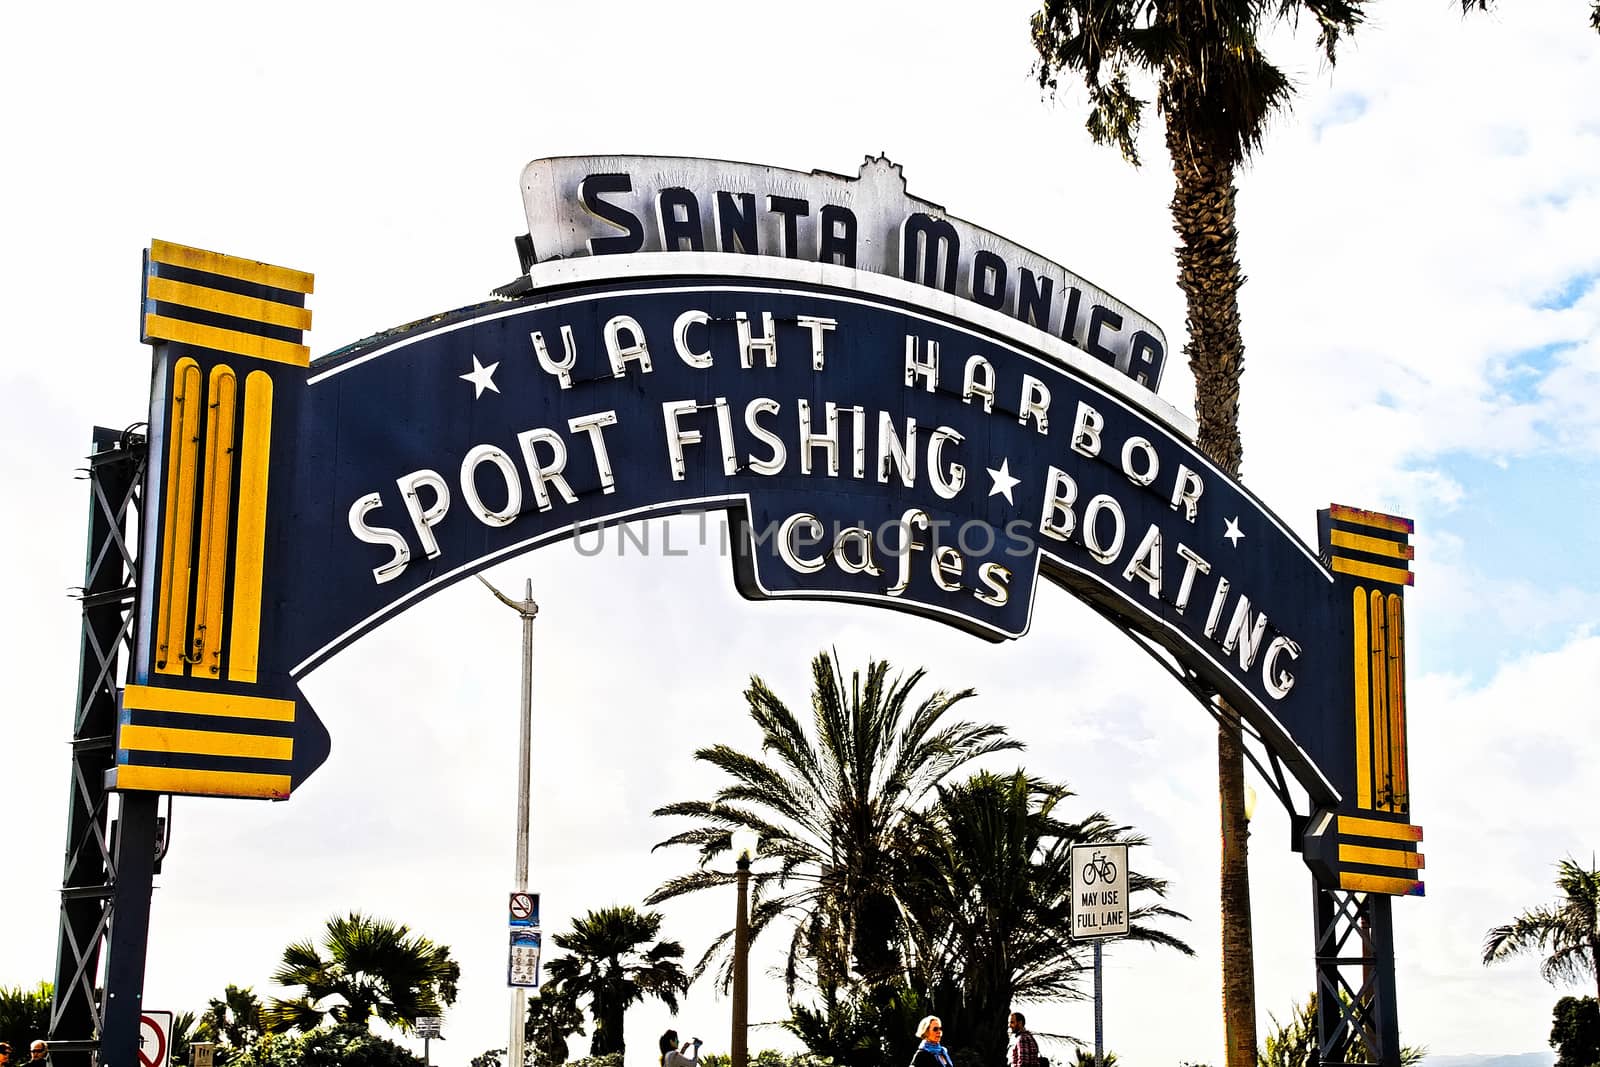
[894, 407]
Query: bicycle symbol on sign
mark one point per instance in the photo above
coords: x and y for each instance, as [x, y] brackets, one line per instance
[1101, 868]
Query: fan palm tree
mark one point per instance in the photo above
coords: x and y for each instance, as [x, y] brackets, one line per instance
[608, 963]
[830, 806]
[373, 967]
[232, 1022]
[1216, 90]
[992, 900]
[1568, 931]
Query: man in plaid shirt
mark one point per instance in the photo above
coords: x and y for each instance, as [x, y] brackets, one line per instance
[1024, 1049]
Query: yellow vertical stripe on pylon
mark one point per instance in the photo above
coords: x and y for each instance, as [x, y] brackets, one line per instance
[1363, 703]
[1397, 700]
[1377, 657]
[177, 530]
[249, 557]
[216, 520]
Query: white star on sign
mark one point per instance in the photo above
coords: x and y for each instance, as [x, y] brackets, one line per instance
[1233, 534]
[1003, 482]
[481, 377]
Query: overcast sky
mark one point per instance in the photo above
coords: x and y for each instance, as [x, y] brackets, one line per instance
[1421, 323]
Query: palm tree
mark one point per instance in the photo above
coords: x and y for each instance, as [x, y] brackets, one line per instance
[608, 963]
[232, 1022]
[830, 806]
[373, 967]
[1216, 89]
[865, 1027]
[553, 1016]
[1084, 1057]
[184, 1034]
[1293, 1043]
[992, 900]
[1569, 931]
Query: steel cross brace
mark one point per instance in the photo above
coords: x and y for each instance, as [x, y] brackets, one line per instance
[1356, 1017]
[106, 878]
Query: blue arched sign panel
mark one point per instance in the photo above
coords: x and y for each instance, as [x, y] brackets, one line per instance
[874, 439]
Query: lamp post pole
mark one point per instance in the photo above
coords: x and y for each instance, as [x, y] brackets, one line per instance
[744, 846]
[528, 610]
[741, 970]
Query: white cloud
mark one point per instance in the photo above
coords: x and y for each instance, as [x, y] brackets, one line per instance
[1505, 790]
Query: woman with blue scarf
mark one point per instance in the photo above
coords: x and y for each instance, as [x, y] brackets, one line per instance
[931, 1052]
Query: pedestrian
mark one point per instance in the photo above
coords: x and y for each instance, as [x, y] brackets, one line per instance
[1024, 1051]
[5, 1054]
[38, 1052]
[931, 1051]
[675, 1055]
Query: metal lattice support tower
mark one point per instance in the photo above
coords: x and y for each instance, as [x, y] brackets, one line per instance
[89, 878]
[1356, 1021]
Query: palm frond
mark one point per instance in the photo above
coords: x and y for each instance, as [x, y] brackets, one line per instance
[1568, 932]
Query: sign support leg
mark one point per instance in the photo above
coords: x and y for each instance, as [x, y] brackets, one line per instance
[1381, 925]
[116, 477]
[1099, 1012]
[130, 929]
[1356, 1013]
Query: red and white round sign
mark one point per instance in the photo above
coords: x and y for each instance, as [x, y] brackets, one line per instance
[155, 1030]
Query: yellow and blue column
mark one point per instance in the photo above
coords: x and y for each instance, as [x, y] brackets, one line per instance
[204, 715]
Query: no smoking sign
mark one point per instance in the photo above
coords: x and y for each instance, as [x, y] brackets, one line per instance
[524, 909]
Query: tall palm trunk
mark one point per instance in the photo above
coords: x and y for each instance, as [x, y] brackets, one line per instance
[609, 1012]
[1238, 951]
[989, 993]
[1208, 273]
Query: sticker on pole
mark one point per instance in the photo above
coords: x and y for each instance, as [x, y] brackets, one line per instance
[1099, 891]
[155, 1038]
[524, 909]
[523, 967]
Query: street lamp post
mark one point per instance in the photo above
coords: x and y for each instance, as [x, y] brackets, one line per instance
[528, 610]
[745, 843]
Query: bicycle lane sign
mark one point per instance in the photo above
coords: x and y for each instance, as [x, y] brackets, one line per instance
[1099, 891]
